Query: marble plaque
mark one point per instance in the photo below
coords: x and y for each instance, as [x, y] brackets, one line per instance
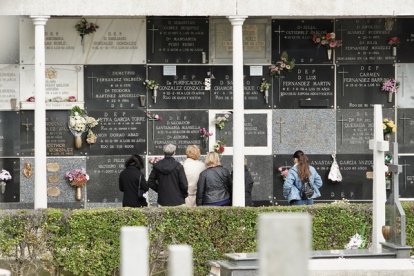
[355, 129]
[9, 46]
[116, 41]
[103, 186]
[9, 133]
[405, 130]
[260, 168]
[64, 86]
[406, 178]
[11, 191]
[310, 130]
[9, 86]
[405, 94]
[256, 41]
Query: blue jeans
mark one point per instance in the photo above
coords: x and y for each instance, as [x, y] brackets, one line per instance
[302, 202]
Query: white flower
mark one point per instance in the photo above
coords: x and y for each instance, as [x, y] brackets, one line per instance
[355, 242]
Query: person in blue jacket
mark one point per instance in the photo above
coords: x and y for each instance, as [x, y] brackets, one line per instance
[293, 182]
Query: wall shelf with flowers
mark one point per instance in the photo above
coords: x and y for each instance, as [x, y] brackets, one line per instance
[56, 103]
[152, 85]
[4, 177]
[327, 40]
[282, 66]
[391, 86]
[264, 88]
[77, 178]
[79, 123]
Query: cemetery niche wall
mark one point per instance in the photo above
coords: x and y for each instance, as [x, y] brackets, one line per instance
[320, 103]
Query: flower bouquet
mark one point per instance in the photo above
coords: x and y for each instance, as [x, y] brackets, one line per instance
[78, 179]
[264, 88]
[284, 171]
[204, 135]
[152, 85]
[394, 42]
[79, 123]
[154, 160]
[220, 121]
[357, 241]
[390, 86]
[282, 65]
[84, 27]
[388, 127]
[219, 146]
[327, 40]
[4, 176]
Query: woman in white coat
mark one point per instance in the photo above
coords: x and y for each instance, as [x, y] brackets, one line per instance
[192, 168]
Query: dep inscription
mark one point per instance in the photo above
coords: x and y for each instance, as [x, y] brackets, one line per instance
[364, 41]
[177, 39]
[119, 132]
[59, 140]
[306, 86]
[355, 129]
[295, 37]
[180, 87]
[359, 86]
[180, 128]
[9, 86]
[104, 174]
[114, 86]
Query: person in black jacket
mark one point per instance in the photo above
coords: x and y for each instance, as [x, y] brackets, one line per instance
[214, 186]
[168, 179]
[131, 180]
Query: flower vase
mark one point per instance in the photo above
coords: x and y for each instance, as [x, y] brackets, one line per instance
[387, 136]
[394, 51]
[204, 142]
[141, 100]
[388, 184]
[267, 96]
[390, 97]
[3, 186]
[78, 141]
[329, 52]
[386, 232]
[78, 193]
[154, 94]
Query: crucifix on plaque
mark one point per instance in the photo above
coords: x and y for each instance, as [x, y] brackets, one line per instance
[280, 122]
[153, 36]
[92, 77]
[343, 72]
[27, 125]
[279, 32]
[403, 126]
[342, 127]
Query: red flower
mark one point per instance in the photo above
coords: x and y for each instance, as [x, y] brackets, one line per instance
[31, 99]
[72, 99]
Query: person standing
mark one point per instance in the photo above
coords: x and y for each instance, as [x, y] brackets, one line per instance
[192, 168]
[168, 179]
[293, 183]
[132, 182]
[214, 186]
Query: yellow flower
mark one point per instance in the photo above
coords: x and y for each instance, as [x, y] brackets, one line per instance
[385, 120]
[384, 126]
[394, 129]
[391, 124]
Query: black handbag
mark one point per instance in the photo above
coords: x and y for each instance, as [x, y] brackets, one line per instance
[140, 192]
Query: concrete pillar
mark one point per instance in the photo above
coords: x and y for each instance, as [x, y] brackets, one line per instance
[238, 111]
[180, 260]
[134, 251]
[284, 244]
[378, 146]
[40, 190]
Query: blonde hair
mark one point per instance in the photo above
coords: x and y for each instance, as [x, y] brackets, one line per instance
[193, 152]
[212, 159]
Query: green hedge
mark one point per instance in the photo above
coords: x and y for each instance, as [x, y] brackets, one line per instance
[86, 242]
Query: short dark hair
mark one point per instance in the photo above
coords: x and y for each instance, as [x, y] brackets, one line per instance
[136, 161]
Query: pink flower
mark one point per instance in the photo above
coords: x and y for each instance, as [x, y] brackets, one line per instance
[31, 99]
[394, 41]
[72, 99]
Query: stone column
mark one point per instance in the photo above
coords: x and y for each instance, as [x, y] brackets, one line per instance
[284, 244]
[40, 189]
[378, 146]
[134, 251]
[238, 111]
[180, 260]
